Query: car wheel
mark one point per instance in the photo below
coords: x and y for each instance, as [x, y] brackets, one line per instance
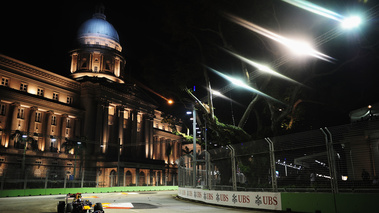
[69, 207]
[98, 206]
[60, 207]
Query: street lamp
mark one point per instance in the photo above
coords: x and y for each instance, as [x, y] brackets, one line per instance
[351, 22]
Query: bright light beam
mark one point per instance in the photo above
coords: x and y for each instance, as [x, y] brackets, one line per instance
[315, 9]
[216, 94]
[298, 47]
[261, 67]
[242, 84]
[346, 22]
[169, 100]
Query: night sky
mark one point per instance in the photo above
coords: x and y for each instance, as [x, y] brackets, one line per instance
[156, 37]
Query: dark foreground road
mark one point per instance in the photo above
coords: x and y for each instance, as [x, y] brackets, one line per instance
[163, 201]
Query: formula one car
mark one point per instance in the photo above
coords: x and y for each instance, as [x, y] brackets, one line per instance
[78, 205]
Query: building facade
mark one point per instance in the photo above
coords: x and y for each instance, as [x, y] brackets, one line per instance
[92, 125]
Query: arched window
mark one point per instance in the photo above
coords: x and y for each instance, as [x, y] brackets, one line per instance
[142, 179]
[128, 178]
[112, 178]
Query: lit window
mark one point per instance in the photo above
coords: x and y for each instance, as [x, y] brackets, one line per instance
[54, 120]
[38, 117]
[69, 100]
[108, 65]
[84, 63]
[2, 109]
[20, 113]
[40, 92]
[68, 123]
[4, 81]
[55, 96]
[24, 87]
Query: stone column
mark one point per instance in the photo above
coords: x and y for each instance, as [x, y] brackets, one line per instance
[12, 124]
[134, 114]
[173, 148]
[158, 150]
[147, 134]
[32, 120]
[105, 128]
[77, 127]
[151, 135]
[163, 147]
[47, 131]
[98, 128]
[120, 125]
[62, 137]
[74, 62]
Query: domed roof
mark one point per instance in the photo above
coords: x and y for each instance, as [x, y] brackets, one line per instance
[98, 26]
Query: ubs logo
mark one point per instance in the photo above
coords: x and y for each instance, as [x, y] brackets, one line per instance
[267, 200]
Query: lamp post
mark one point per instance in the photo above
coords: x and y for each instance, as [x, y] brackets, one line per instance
[194, 145]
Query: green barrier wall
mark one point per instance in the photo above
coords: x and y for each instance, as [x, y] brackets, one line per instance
[307, 202]
[57, 191]
[329, 203]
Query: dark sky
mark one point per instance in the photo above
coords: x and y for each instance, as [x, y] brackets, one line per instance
[43, 34]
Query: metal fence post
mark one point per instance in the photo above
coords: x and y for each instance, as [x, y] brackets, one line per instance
[331, 160]
[209, 171]
[234, 170]
[274, 182]
[25, 179]
[46, 179]
[82, 182]
[65, 181]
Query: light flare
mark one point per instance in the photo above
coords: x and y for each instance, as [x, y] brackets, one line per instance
[242, 84]
[351, 22]
[300, 47]
[315, 9]
[261, 67]
[169, 100]
[346, 22]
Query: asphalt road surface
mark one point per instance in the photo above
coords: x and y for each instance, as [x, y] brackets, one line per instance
[162, 201]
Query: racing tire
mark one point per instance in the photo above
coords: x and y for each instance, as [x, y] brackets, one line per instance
[69, 207]
[60, 207]
[98, 207]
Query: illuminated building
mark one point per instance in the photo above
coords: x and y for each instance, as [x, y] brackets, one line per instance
[90, 124]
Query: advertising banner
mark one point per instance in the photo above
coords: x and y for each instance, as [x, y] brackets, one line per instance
[257, 200]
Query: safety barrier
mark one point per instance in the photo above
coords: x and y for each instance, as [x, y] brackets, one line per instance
[57, 191]
[287, 201]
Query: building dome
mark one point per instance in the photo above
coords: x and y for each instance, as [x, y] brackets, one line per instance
[98, 31]
[99, 54]
[98, 26]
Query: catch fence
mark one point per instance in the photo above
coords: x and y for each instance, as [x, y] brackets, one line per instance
[334, 159]
[37, 179]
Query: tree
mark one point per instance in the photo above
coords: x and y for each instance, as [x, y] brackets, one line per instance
[199, 35]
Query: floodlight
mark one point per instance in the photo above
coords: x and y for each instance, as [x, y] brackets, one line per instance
[351, 22]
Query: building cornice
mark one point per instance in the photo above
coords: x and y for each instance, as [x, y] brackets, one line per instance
[37, 73]
[11, 95]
